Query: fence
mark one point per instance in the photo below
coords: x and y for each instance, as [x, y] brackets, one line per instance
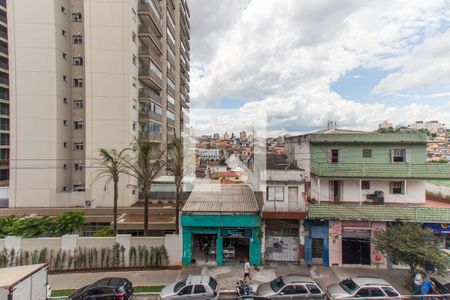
[72, 252]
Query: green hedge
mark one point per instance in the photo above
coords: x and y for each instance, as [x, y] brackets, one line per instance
[30, 227]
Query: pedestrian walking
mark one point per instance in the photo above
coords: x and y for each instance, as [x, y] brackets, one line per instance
[247, 271]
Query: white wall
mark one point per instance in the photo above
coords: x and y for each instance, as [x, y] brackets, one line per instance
[284, 205]
[415, 191]
[298, 149]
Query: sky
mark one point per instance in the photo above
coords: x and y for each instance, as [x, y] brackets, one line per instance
[297, 64]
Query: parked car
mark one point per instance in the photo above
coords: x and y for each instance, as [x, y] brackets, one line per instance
[291, 287]
[253, 298]
[198, 287]
[361, 286]
[441, 285]
[111, 288]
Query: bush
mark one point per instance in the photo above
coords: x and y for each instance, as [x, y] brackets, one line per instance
[30, 227]
[104, 232]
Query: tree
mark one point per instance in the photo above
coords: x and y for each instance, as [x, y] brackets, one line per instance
[145, 166]
[412, 245]
[110, 165]
[175, 167]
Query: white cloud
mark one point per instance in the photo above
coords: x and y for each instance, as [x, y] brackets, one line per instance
[283, 55]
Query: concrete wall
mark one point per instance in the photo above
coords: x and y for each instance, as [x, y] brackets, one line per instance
[285, 205]
[415, 191]
[298, 150]
[172, 243]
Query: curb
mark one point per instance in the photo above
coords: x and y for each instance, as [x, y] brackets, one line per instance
[149, 294]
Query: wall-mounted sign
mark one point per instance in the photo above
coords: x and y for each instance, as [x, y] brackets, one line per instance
[236, 233]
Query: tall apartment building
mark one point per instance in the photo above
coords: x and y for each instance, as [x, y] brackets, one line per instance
[4, 105]
[86, 75]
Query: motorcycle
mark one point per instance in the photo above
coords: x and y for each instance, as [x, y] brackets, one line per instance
[244, 289]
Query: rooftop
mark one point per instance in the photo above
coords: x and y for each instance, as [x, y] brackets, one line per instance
[217, 199]
[12, 276]
[368, 137]
[279, 162]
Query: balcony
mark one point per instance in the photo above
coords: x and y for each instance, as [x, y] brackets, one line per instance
[154, 55]
[148, 94]
[149, 37]
[378, 213]
[144, 115]
[149, 11]
[152, 137]
[171, 106]
[150, 75]
[381, 170]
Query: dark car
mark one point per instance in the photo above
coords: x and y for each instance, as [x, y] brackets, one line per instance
[441, 285]
[111, 288]
[253, 298]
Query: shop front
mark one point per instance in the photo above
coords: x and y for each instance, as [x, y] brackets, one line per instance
[223, 239]
[441, 231]
[282, 240]
[351, 243]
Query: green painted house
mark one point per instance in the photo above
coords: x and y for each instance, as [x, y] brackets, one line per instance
[221, 224]
[359, 182]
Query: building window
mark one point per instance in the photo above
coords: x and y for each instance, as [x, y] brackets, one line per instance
[63, 9]
[78, 125]
[65, 122]
[78, 82]
[78, 167]
[365, 185]
[64, 55]
[77, 39]
[76, 17]
[4, 174]
[134, 60]
[63, 32]
[134, 126]
[170, 115]
[65, 78]
[65, 144]
[78, 104]
[64, 166]
[133, 37]
[134, 104]
[77, 61]
[399, 155]
[275, 193]
[397, 187]
[334, 155]
[170, 99]
[367, 153]
[78, 146]
[65, 100]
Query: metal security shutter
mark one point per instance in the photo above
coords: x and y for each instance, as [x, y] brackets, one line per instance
[352, 234]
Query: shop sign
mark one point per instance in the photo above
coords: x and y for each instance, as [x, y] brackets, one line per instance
[236, 233]
[439, 228]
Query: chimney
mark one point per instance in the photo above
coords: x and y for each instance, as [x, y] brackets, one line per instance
[330, 125]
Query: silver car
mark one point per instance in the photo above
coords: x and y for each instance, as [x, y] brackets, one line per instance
[361, 287]
[194, 287]
[291, 287]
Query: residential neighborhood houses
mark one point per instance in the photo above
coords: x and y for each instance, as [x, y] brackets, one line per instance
[107, 191]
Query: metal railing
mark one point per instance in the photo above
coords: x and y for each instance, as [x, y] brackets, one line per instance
[382, 170]
[149, 93]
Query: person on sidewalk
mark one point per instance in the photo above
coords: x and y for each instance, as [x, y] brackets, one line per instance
[247, 271]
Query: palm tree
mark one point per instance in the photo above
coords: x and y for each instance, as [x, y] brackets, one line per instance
[110, 166]
[145, 166]
[175, 167]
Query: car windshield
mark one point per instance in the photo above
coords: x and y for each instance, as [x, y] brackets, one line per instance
[277, 284]
[212, 283]
[179, 285]
[348, 285]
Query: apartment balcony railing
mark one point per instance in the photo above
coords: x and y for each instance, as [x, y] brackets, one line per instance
[4, 80]
[3, 49]
[171, 90]
[4, 65]
[147, 52]
[150, 115]
[381, 170]
[171, 106]
[146, 32]
[151, 71]
[378, 213]
[149, 7]
[146, 93]
[150, 136]
[170, 122]
[274, 206]
[3, 34]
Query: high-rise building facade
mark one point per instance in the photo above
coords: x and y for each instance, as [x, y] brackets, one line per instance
[86, 75]
[4, 105]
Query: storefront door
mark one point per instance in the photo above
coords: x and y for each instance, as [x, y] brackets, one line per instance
[356, 247]
[317, 251]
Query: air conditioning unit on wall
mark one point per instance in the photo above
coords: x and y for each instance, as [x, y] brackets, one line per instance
[89, 204]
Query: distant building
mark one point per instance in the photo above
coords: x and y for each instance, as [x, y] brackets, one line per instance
[432, 126]
[385, 125]
[210, 154]
[216, 136]
[242, 135]
[226, 136]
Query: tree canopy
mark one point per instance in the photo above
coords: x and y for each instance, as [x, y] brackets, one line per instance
[412, 245]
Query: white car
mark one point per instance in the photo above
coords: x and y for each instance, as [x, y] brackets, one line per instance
[361, 287]
[196, 287]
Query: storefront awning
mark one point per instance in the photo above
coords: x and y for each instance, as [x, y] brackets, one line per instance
[438, 228]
